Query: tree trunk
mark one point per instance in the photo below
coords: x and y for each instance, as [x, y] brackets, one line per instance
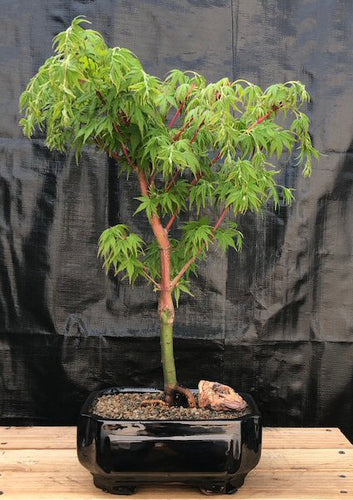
[166, 314]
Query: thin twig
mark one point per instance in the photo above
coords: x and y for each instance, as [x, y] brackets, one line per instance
[193, 183]
[190, 262]
[263, 118]
[113, 154]
[177, 114]
[181, 107]
[180, 133]
[157, 285]
[196, 133]
[173, 181]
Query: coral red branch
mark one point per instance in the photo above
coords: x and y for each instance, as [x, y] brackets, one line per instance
[220, 220]
[101, 97]
[217, 158]
[171, 222]
[155, 221]
[180, 109]
[190, 262]
[173, 181]
[177, 114]
[116, 156]
[180, 133]
[196, 133]
[183, 270]
[263, 118]
[193, 183]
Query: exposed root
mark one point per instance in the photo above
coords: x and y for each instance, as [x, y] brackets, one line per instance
[154, 402]
[177, 395]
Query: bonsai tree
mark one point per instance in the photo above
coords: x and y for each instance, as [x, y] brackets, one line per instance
[191, 144]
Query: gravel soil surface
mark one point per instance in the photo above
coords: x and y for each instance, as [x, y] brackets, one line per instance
[131, 406]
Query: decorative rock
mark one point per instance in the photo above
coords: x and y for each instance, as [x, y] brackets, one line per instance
[219, 397]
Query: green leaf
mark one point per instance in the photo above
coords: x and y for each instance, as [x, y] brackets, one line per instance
[122, 250]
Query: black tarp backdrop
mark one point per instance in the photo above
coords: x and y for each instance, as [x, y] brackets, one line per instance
[275, 320]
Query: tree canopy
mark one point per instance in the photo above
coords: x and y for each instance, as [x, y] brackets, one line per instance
[192, 144]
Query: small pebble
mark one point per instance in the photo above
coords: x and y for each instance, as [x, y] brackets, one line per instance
[128, 406]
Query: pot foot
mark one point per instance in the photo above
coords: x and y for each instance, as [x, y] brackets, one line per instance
[224, 489]
[113, 487]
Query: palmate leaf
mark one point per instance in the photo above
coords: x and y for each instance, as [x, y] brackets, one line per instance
[229, 237]
[122, 250]
[197, 237]
[202, 194]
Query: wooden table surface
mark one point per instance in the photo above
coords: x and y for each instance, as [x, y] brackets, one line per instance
[39, 463]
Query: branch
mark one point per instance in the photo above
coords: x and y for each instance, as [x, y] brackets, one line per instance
[215, 159]
[177, 114]
[171, 222]
[181, 107]
[220, 220]
[190, 262]
[196, 133]
[101, 96]
[155, 221]
[173, 181]
[263, 118]
[113, 154]
[193, 183]
[180, 133]
[175, 139]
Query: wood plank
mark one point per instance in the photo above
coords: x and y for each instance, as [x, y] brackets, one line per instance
[298, 437]
[296, 459]
[65, 438]
[307, 459]
[266, 484]
[40, 463]
[182, 494]
[37, 437]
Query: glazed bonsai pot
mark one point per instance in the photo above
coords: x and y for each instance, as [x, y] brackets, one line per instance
[213, 455]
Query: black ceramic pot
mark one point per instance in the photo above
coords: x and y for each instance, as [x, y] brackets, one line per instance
[213, 455]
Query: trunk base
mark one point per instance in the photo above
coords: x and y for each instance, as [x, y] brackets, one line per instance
[178, 395]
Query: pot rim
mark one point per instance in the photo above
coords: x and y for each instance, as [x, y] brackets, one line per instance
[86, 412]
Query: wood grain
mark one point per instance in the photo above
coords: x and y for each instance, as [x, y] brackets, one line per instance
[40, 463]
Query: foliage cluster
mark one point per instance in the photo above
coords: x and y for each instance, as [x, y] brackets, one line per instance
[192, 144]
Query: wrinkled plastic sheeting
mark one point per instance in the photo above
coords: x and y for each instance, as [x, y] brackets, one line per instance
[276, 320]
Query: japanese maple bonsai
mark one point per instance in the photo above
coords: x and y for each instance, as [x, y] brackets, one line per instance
[191, 144]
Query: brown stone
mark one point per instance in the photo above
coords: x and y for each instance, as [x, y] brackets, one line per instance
[219, 397]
